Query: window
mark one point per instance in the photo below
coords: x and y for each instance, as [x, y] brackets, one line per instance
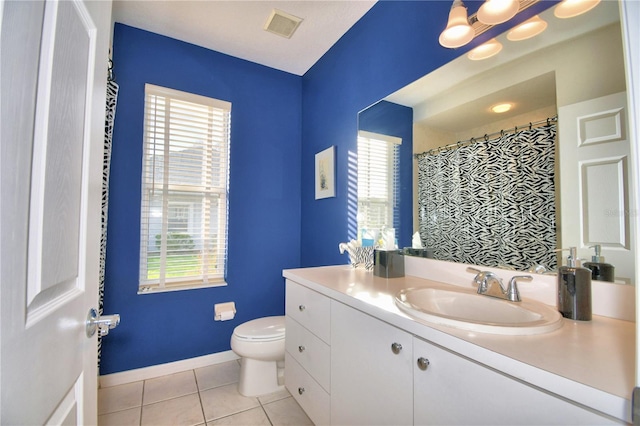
[185, 173]
[378, 181]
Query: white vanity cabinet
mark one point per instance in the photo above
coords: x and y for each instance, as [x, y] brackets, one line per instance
[452, 390]
[307, 353]
[371, 370]
[347, 367]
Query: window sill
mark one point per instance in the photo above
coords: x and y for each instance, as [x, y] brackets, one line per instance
[151, 288]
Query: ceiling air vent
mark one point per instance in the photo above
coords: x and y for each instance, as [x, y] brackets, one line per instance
[282, 23]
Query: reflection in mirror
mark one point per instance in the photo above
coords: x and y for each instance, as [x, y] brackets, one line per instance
[385, 138]
[575, 71]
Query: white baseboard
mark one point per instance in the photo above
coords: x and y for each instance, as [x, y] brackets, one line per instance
[163, 369]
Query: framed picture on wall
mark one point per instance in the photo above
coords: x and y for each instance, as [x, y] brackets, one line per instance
[325, 173]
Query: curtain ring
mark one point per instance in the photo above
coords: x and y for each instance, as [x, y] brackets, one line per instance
[459, 143]
[515, 130]
[473, 140]
[502, 133]
[486, 137]
[548, 123]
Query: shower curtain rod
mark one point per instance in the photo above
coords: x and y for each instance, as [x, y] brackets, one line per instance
[486, 137]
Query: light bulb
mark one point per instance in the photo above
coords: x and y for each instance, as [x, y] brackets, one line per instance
[486, 50]
[571, 8]
[527, 29]
[458, 31]
[493, 12]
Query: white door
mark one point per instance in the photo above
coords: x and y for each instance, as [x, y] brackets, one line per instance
[595, 173]
[53, 63]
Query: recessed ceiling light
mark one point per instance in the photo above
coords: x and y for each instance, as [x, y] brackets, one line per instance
[571, 8]
[486, 50]
[527, 29]
[500, 108]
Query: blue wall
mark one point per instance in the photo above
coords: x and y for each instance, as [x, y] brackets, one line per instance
[392, 45]
[279, 122]
[395, 43]
[264, 202]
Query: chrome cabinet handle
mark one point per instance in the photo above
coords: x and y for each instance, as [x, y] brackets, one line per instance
[396, 348]
[423, 363]
[301, 348]
[302, 308]
[300, 390]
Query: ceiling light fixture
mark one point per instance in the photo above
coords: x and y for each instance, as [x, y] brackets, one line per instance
[500, 108]
[529, 28]
[486, 50]
[493, 12]
[571, 8]
[458, 31]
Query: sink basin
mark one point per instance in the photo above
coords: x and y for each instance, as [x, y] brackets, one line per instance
[474, 312]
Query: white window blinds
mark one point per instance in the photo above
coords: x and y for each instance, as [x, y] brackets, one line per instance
[378, 167]
[185, 176]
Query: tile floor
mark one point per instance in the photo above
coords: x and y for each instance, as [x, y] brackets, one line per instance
[204, 396]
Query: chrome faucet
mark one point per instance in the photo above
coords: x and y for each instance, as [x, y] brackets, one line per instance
[489, 284]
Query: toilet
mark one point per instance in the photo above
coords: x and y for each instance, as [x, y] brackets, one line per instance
[260, 344]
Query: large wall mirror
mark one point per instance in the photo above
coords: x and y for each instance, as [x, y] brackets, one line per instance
[573, 71]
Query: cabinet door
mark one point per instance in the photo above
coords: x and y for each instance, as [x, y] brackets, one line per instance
[454, 390]
[371, 382]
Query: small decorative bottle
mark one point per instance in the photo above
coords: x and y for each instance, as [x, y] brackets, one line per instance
[599, 270]
[574, 289]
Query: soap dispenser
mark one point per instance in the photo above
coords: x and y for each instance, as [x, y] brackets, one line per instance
[599, 270]
[574, 289]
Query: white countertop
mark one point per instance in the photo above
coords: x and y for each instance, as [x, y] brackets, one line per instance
[589, 362]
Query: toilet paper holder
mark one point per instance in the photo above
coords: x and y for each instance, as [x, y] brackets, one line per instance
[224, 311]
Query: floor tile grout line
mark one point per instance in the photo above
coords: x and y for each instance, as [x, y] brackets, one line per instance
[169, 399]
[204, 416]
[141, 402]
[264, 411]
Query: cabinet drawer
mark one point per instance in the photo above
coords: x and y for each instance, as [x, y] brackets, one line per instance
[309, 394]
[311, 353]
[309, 308]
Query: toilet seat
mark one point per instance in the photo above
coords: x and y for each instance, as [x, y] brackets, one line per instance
[261, 329]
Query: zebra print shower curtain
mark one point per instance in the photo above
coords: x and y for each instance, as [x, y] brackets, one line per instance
[112, 98]
[491, 203]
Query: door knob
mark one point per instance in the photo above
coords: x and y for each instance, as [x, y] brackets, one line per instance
[396, 348]
[102, 323]
[423, 363]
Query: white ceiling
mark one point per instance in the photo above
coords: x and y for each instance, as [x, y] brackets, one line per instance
[235, 27]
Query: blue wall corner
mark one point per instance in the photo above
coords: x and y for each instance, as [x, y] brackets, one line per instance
[264, 200]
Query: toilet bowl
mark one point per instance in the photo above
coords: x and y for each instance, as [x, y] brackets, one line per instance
[260, 344]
